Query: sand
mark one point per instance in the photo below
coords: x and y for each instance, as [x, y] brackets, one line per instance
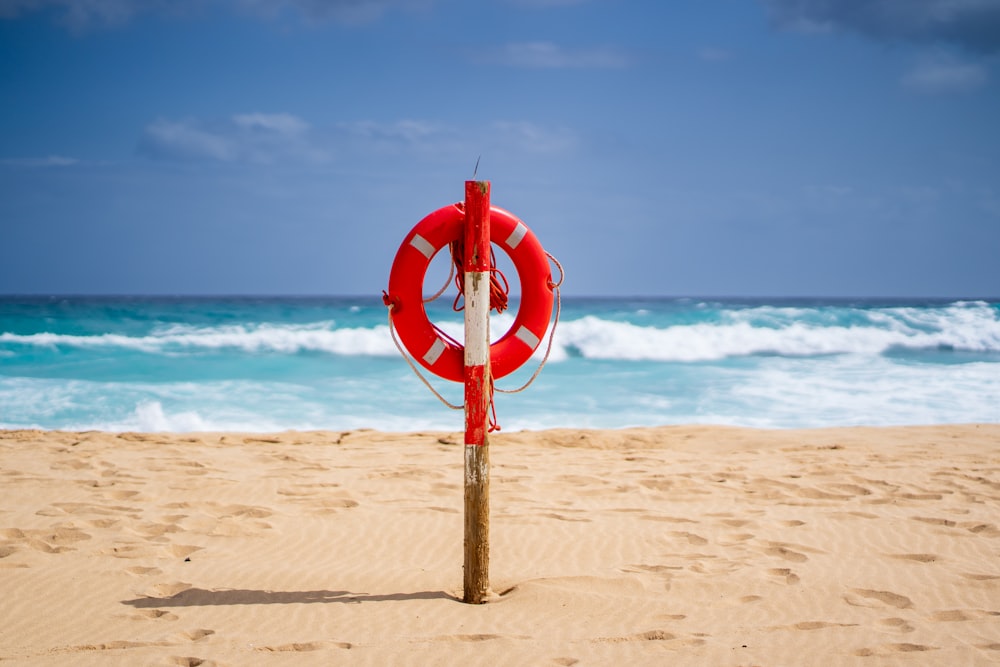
[674, 545]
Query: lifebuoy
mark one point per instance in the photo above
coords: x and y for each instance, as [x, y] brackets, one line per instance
[405, 295]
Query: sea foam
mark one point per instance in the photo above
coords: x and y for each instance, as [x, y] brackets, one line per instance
[762, 331]
[271, 365]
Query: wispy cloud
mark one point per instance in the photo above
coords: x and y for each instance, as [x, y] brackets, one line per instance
[249, 137]
[406, 131]
[87, 14]
[343, 11]
[548, 55]
[449, 141]
[533, 138]
[280, 123]
[48, 161]
[397, 137]
[971, 24]
[185, 139]
[282, 138]
[944, 75]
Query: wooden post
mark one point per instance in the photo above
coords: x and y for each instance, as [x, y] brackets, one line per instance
[477, 392]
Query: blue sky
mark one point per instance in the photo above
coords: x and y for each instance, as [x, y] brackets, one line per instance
[673, 148]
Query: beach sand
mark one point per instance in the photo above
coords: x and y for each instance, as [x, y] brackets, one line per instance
[674, 545]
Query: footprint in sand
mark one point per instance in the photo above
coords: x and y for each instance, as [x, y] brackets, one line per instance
[889, 649]
[935, 521]
[300, 647]
[53, 540]
[155, 614]
[813, 625]
[863, 597]
[181, 550]
[45, 547]
[956, 615]
[120, 494]
[184, 661]
[168, 590]
[852, 489]
[195, 635]
[650, 635]
[917, 558]
[786, 574]
[909, 648]
[984, 529]
[126, 550]
[786, 553]
[895, 624]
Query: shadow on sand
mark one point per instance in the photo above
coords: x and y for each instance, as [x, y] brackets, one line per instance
[199, 597]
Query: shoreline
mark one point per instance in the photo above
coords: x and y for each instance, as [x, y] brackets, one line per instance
[688, 544]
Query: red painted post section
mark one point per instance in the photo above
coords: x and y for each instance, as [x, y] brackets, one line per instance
[477, 277]
[477, 391]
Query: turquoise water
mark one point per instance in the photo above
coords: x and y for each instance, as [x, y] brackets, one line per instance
[270, 364]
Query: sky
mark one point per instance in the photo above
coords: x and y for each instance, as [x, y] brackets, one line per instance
[756, 148]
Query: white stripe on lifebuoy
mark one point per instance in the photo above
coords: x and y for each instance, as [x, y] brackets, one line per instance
[423, 245]
[530, 339]
[516, 235]
[435, 352]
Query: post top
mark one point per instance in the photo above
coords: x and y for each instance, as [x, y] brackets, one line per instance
[484, 186]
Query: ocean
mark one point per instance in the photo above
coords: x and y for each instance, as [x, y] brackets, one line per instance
[274, 364]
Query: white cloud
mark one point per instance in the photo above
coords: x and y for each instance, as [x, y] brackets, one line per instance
[945, 75]
[547, 55]
[266, 138]
[282, 123]
[251, 137]
[186, 140]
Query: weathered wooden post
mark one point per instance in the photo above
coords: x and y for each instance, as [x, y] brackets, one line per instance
[477, 391]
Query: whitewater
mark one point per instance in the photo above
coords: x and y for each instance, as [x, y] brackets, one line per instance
[274, 364]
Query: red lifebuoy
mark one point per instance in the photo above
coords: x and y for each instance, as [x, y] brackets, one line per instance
[405, 295]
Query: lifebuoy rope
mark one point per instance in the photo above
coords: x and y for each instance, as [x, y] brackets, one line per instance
[402, 351]
[498, 292]
[554, 286]
[451, 274]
